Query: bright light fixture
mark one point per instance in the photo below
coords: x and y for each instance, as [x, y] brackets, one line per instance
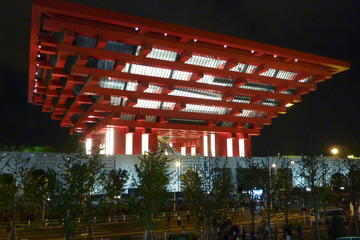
[241, 147]
[334, 151]
[183, 150]
[273, 165]
[206, 145]
[229, 145]
[289, 104]
[129, 143]
[212, 145]
[88, 146]
[109, 141]
[144, 143]
[177, 164]
[350, 156]
[193, 151]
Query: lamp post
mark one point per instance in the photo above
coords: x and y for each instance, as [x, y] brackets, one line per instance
[270, 192]
[177, 168]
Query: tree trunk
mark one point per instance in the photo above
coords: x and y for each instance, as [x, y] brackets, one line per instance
[317, 232]
[356, 215]
[12, 233]
[148, 233]
[286, 214]
[43, 210]
[252, 221]
[68, 228]
[316, 211]
[90, 230]
[208, 232]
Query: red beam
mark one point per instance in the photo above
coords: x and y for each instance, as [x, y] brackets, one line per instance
[109, 55]
[166, 126]
[170, 98]
[85, 71]
[88, 28]
[179, 114]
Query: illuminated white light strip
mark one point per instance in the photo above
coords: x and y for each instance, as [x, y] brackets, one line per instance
[241, 147]
[205, 61]
[206, 146]
[205, 109]
[212, 142]
[193, 151]
[183, 151]
[151, 104]
[129, 143]
[109, 141]
[162, 54]
[88, 146]
[144, 143]
[229, 145]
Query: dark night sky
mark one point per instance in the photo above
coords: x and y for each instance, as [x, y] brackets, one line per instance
[326, 117]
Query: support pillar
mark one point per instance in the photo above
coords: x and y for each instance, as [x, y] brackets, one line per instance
[244, 145]
[137, 141]
[119, 141]
[221, 144]
[153, 140]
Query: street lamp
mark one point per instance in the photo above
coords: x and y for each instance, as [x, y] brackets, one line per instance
[177, 165]
[334, 151]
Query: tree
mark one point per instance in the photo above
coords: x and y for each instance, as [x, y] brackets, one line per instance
[36, 192]
[150, 188]
[81, 180]
[93, 191]
[314, 174]
[115, 185]
[207, 189]
[12, 189]
[268, 177]
[249, 180]
[352, 187]
[284, 186]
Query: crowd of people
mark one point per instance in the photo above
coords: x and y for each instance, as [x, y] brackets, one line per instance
[227, 230]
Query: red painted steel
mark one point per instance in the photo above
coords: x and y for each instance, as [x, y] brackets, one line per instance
[71, 92]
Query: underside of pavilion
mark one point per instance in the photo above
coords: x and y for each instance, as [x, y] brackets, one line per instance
[127, 83]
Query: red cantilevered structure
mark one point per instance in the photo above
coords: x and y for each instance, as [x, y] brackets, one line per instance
[123, 82]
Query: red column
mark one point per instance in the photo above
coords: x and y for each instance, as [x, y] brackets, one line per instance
[153, 140]
[119, 140]
[200, 147]
[137, 141]
[221, 144]
[248, 152]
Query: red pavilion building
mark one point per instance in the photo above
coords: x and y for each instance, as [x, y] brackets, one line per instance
[125, 82]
